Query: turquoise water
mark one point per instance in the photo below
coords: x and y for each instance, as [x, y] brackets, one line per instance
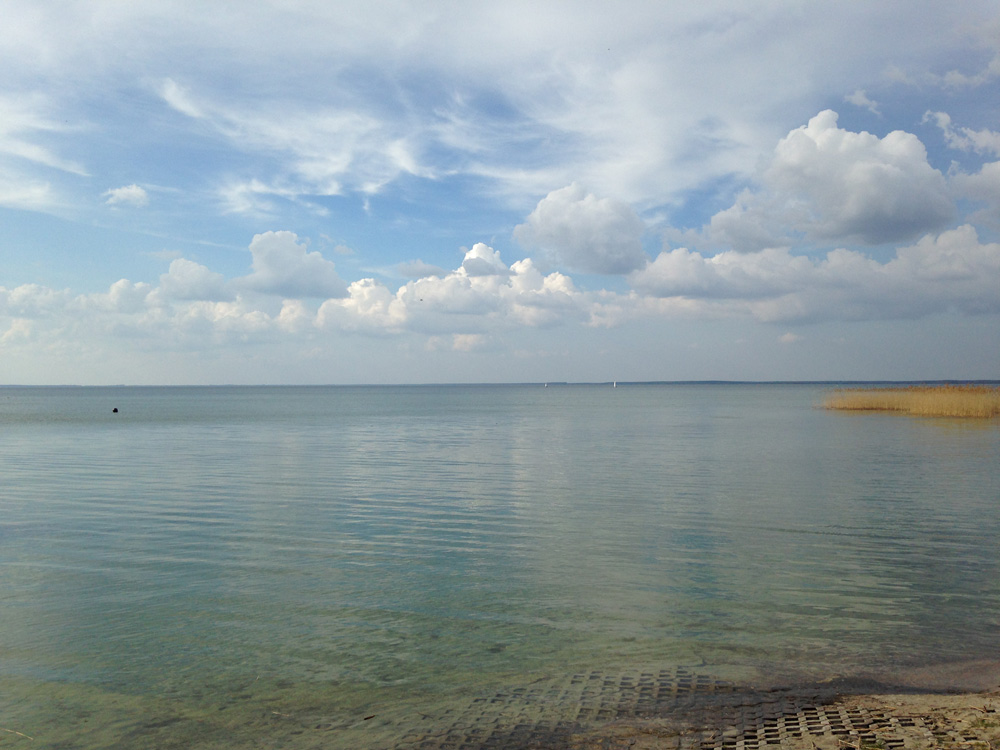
[330, 567]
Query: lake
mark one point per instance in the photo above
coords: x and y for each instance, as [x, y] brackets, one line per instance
[374, 566]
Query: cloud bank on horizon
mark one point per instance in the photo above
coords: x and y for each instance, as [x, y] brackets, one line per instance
[430, 191]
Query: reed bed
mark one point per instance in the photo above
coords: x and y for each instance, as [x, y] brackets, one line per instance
[976, 401]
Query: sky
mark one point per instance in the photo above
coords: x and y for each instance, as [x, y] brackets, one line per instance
[409, 192]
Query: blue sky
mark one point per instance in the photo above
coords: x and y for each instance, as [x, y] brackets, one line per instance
[381, 192]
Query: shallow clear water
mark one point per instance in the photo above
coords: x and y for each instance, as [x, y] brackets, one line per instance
[246, 566]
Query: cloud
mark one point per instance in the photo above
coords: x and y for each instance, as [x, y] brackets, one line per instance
[284, 267]
[640, 110]
[179, 99]
[982, 187]
[123, 296]
[21, 192]
[481, 293]
[230, 320]
[369, 306]
[965, 139]
[252, 197]
[25, 120]
[954, 79]
[952, 271]
[545, 300]
[860, 99]
[19, 330]
[957, 79]
[32, 301]
[416, 269]
[294, 317]
[473, 307]
[482, 260]
[187, 280]
[581, 232]
[132, 195]
[728, 275]
[828, 185]
[456, 294]
[459, 342]
[28, 122]
[844, 186]
[456, 127]
[326, 150]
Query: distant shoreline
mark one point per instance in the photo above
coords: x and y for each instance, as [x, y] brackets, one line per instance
[540, 384]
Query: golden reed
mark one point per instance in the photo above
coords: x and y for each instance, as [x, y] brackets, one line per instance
[981, 401]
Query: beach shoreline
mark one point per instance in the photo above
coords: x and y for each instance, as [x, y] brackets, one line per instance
[942, 706]
[877, 721]
[952, 705]
[948, 705]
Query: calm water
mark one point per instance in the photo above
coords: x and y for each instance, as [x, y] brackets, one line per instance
[270, 566]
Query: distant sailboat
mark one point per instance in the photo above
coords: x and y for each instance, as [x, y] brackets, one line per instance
[615, 384]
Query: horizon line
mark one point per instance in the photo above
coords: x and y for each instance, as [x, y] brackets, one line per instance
[541, 383]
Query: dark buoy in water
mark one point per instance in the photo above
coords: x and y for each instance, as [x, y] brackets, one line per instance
[115, 410]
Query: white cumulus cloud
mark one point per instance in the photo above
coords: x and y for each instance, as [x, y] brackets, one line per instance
[828, 184]
[368, 306]
[952, 271]
[982, 187]
[579, 231]
[283, 266]
[187, 280]
[481, 293]
[123, 296]
[483, 260]
[19, 330]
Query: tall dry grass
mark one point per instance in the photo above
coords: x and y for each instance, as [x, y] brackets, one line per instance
[981, 401]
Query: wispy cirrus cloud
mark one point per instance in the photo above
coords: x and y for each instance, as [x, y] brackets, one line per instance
[324, 151]
[129, 195]
[26, 122]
